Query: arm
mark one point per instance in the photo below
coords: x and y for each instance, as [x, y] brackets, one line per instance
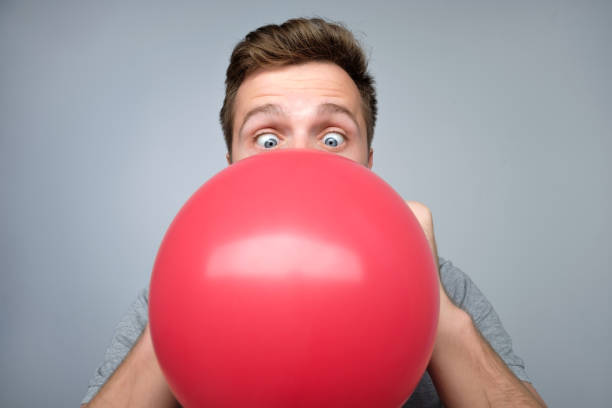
[465, 370]
[137, 382]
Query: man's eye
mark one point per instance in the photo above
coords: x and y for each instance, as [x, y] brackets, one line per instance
[333, 139]
[267, 140]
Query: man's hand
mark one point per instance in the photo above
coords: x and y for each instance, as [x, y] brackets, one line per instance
[423, 215]
[465, 370]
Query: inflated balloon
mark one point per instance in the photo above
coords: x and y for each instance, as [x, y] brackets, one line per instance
[294, 278]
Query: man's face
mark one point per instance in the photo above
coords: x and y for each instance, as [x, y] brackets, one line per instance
[315, 105]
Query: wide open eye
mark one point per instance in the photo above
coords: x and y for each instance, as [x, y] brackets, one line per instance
[267, 140]
[333, 139]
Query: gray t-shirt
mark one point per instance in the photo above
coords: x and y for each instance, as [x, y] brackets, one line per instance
[458, 285]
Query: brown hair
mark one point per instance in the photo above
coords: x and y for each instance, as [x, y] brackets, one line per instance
[298, 41]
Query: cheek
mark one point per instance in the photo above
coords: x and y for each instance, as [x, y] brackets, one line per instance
[356, 154]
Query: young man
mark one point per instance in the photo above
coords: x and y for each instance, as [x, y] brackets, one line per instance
[304, 84]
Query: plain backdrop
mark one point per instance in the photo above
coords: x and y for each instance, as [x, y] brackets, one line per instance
[497, 115]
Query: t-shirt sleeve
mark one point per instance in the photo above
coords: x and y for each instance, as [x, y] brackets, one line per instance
[126, 333]
[468, 297]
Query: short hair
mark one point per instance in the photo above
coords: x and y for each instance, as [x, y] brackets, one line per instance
[298, 41]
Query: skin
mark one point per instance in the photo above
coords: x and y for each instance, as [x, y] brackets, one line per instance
[465, 370]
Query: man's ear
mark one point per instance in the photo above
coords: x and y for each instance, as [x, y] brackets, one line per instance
[371, 158]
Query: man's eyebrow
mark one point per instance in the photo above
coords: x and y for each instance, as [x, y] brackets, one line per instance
[329, 108]
[268, 108]
[276, 110]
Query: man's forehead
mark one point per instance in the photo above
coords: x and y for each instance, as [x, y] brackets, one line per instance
[304, 84]
[280, 110]
[316, 78]
[309, 89]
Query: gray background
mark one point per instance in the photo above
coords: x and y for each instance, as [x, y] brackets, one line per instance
[496, 115]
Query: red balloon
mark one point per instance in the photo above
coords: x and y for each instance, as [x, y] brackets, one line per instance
[294, 278]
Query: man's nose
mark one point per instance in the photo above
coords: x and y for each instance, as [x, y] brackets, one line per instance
[302, 141]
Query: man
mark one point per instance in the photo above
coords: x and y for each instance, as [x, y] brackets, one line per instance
[304, 84]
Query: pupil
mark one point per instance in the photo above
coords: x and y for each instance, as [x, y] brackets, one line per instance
[332, 142]
[269, 143]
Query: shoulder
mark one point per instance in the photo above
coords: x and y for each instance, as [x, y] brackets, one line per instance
[456, 282]
[463, 291]
[135, 319]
